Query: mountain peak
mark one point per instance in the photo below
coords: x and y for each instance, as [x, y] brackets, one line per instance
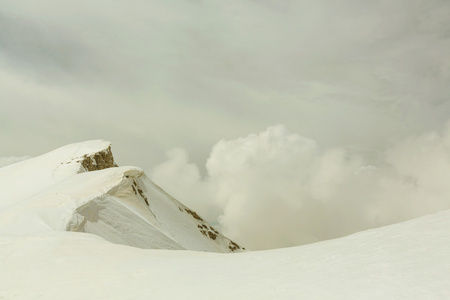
[79, 187]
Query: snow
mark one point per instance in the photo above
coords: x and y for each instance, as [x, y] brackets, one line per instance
[40, 259]
[41, 172]
[119, 204]
[403, 261]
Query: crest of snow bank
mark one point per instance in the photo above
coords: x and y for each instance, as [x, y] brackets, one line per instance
[60, 191]
[402, 261]
[29, 177]
[278, 188]
[9, 160]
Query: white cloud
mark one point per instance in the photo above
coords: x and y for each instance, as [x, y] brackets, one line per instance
[276, 188]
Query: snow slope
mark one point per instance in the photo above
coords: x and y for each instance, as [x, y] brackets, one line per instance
[39, 259]
[402, 261]
[80, 188]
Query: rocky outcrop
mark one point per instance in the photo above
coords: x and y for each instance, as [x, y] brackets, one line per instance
[99, 161]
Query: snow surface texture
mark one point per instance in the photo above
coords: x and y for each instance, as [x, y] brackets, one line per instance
[410, 260]
[39, 259]
[80, 188]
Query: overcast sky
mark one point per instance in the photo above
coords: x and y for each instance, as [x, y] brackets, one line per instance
[151, 76]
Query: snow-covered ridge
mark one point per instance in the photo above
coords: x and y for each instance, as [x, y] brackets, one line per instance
[21, 180]
[80, 188]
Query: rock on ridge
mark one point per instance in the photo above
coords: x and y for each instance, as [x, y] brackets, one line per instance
[99, 160]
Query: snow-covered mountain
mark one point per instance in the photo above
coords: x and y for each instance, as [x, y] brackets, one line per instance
[80, 188]
[65, 233]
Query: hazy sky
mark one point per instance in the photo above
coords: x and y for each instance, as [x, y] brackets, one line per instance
[149, 76]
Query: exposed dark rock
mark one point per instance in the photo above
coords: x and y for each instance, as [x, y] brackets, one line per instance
[212, 235]
[99, 161]
[233, 246]
[194, 214]
[138, 190]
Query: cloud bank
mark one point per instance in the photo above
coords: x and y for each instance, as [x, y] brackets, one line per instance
[279, 189]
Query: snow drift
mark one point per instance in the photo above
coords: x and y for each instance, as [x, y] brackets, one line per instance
[80, 188]
[410, 260]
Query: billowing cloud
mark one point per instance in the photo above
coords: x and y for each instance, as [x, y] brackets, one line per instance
[278, 189]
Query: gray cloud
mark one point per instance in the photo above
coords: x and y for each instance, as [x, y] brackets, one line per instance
[44, 52]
